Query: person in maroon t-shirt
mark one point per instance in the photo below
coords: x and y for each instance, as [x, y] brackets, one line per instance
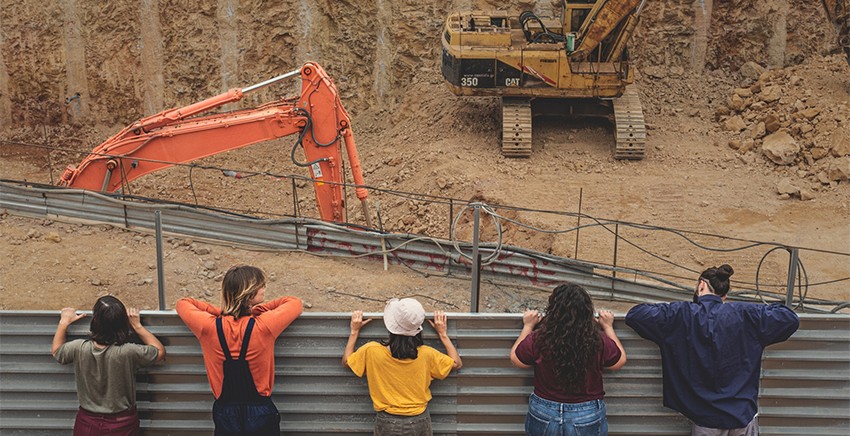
[568, 352]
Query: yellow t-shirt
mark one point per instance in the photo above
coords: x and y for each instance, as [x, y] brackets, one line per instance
[399, 386]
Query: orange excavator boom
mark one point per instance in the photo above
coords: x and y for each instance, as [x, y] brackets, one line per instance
[177, 136]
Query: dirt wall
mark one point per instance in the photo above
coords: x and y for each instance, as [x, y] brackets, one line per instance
[126, 59]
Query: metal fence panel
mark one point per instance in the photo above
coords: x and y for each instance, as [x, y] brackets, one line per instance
[805, 382]
[513, 265]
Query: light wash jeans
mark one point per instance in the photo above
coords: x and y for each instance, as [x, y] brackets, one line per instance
[550, 418]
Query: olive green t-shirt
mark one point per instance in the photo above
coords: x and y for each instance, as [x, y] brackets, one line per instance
[106, 377]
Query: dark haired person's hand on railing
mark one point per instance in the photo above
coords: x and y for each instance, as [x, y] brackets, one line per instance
[146, 337]
[67, 317]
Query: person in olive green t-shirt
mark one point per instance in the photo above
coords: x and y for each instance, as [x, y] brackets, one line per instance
[399, 371]
[105, 366]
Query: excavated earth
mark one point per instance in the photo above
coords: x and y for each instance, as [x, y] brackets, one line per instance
[747, 106]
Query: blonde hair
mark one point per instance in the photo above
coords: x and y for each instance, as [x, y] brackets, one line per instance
[240, 285]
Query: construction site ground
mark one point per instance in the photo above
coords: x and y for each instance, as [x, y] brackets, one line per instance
[706, 170]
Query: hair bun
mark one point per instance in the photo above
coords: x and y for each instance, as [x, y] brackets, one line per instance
[726, 270]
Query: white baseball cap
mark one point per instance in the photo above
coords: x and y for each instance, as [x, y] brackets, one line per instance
[404, 317]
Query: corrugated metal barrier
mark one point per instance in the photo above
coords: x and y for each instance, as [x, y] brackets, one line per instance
[805, 382]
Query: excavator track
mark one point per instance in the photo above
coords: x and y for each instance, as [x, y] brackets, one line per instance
[516, 127]
[631, 130]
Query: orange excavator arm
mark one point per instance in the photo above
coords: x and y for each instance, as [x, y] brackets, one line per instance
[176, 136]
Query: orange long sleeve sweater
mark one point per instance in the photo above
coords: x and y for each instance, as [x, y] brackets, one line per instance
[271, 319]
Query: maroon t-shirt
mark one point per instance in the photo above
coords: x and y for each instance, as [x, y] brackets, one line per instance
[546, 385]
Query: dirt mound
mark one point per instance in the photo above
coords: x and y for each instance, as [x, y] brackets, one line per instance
[796, 118]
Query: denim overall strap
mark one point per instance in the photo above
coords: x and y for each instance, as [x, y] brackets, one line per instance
[245, 340]
[221, 340]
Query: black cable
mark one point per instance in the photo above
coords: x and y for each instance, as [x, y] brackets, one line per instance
[839, 307]
[527, 16]
[192, 185]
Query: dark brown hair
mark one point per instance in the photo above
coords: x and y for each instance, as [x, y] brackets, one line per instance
[404, 347]
[718, 278]
[569, 336]
[110, 324]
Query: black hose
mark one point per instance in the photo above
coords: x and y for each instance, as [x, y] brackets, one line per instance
[527, 16]
[308, 127]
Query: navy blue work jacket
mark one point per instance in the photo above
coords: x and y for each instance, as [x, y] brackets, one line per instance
[711, 354]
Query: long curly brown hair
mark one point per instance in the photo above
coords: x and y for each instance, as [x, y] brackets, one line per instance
[568, 335]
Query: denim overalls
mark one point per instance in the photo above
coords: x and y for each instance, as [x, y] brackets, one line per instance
[240, 409]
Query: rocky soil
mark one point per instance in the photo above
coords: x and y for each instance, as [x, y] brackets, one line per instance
[748, 123]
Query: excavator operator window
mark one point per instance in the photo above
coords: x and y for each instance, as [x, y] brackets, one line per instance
[577, 19]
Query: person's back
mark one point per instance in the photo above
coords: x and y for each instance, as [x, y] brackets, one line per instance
[237, 342]
[399, 371]
[568, 353]
[400, 386]
[711, 351]
[105, 366]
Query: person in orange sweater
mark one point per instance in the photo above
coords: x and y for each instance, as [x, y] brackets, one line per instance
[237, 341]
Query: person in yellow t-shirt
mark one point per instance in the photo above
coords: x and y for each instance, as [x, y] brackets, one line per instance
[399, 370]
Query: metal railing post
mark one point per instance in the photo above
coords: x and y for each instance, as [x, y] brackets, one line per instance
[578, 220]
[160, 273]
[476, 260]
[451, 215]
[792, 275]
[294, 199]
[614, 271]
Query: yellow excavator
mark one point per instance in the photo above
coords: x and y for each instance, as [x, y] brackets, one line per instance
[838, 12]
[576, 66]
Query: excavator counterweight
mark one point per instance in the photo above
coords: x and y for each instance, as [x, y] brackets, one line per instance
[182, 135]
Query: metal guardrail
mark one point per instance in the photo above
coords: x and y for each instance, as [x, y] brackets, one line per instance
[514, 265]
[805, 382]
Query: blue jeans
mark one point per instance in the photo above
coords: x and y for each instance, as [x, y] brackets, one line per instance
[551, 418]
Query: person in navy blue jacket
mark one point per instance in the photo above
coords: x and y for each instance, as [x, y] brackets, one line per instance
[711, 353]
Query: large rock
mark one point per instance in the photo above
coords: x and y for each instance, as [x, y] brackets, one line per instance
[808, 114]
[785, 186]
[655, 72]
[771, 123]
[746, 145]
[839, 169]
[736, 103]
[770, 93]
[751, 70]
[757, 131]
[840, 143]
[780, 148]
[735, 124]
